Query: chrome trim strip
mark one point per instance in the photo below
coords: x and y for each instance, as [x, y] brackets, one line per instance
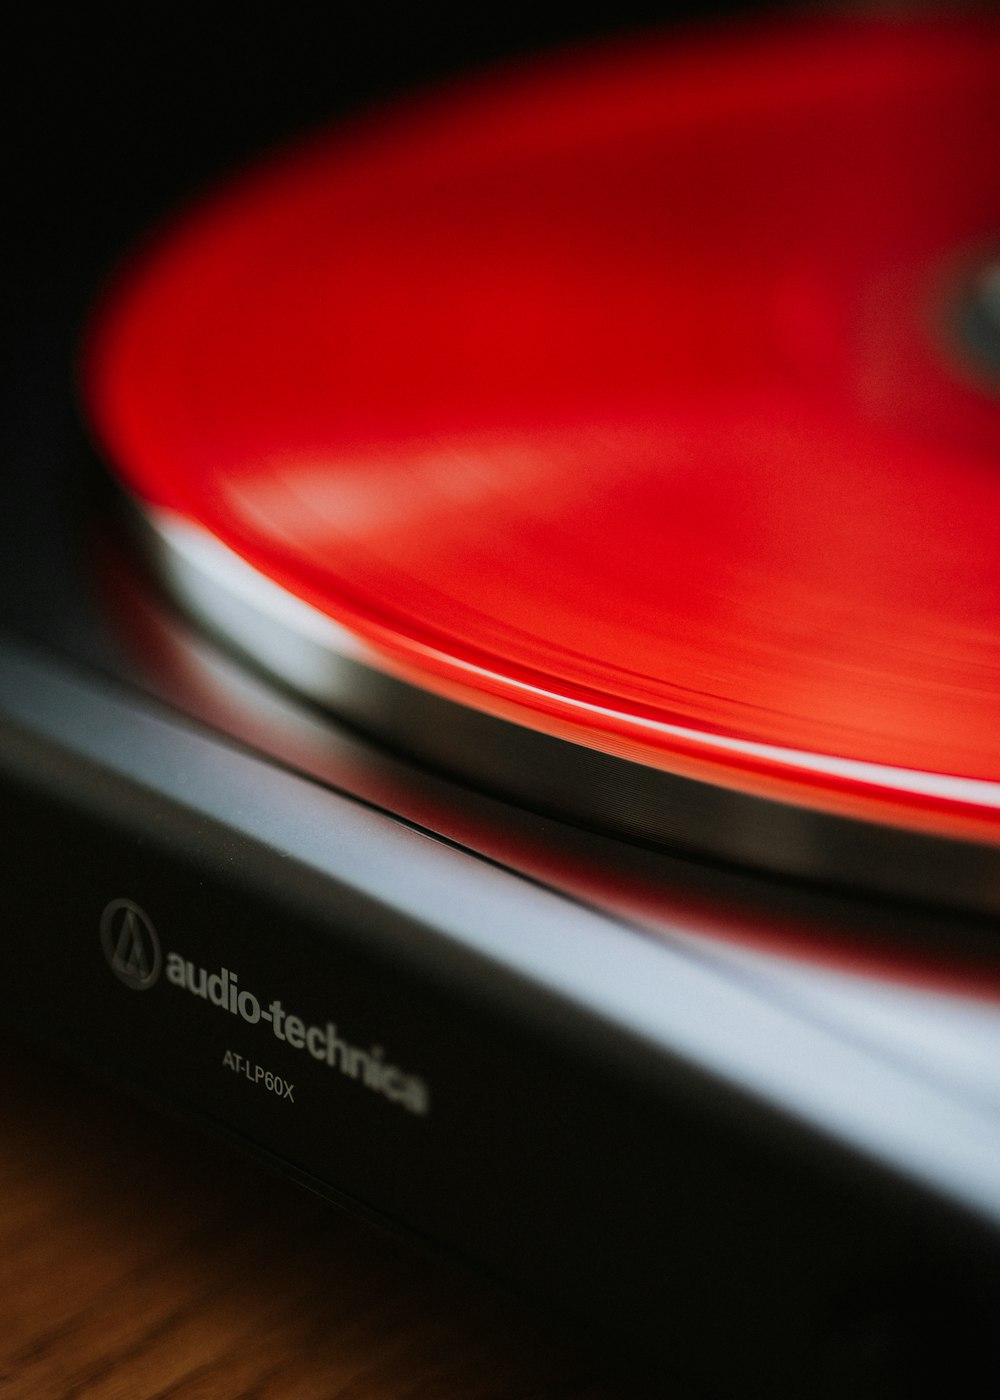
[331, 666]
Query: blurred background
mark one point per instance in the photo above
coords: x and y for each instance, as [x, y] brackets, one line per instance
[113, 113]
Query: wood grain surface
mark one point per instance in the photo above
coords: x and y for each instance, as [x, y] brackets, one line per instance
[139, 1259]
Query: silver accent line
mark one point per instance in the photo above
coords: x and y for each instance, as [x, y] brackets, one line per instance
[195, 549]
[333, 667]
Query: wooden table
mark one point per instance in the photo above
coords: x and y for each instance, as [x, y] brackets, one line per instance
[139, 1259]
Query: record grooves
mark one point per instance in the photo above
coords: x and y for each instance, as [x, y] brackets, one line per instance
[616, 426]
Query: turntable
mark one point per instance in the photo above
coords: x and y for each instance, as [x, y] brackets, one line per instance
[510, 734]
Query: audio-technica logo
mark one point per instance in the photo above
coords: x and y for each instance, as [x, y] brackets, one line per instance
[132, 950]
[130, 944]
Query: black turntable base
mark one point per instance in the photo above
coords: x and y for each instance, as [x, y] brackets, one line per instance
[498, 698]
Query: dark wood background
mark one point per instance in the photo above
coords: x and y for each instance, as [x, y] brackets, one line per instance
[140, 1259]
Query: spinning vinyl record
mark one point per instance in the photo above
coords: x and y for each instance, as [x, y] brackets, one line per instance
[620, 433]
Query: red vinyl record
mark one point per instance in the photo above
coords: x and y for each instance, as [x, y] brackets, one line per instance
[629, 396]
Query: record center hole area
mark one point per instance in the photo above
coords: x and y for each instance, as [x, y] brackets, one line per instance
[979, 320]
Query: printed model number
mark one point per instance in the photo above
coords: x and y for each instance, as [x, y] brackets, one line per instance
[258, 1075]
